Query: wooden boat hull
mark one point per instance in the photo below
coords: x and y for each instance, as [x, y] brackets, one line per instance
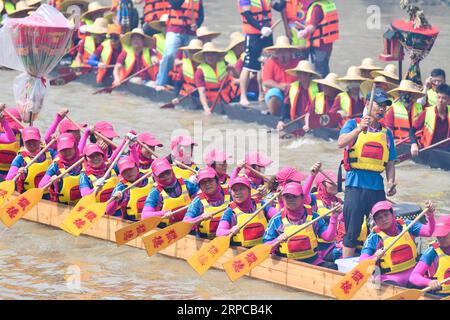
[277, 270]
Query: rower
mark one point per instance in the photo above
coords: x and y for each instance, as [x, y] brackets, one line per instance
[301, 92]
[367, 66]
[258, 162]
[135, 56]
[106, 129]
[107, 53]
[30, 178]
[9, 140]
[380, 81]
[95, 10]
[94, 167]
[129, 204]
[405, 110]
[239, 210]
[364, 164]
[205, 35]
[169, 193]
[235, 62]
[321, 31]
[303, 246]
[154, 10]
[322, 104]
[350, 102]
[211, 198]
[390, 72]
[145, 156]
[67, 189]
[398, 262]
[434, 121]
[187, 66]
[96, 34]
[436, 78]
[275, 78]
[210, 75]
[217, 160]
[66, 126]
[434, 264]
[182, 149]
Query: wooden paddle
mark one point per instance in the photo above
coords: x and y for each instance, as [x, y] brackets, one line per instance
[14, 118]
[74, 74]
[222, 85]
[163, 238]
[248, 260]
[287, 30]
[399, 142]
[11, 212]
[211, 251]
[172, 104]
[349, 285]
[274, 25]
[266, 178]
[287, 124]
[110, 89]
[372, 97]
[407, 156]
[7, 187]
[414, 294]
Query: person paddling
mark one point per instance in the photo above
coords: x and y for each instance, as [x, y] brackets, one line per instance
[398, 263]
[182, 148]
[96, 34]
[211, 198]
[144, 156]
[9, 142]
[350, 102]
[185, 67]
[106, 129]
[217, 160]
[169, 193]
[434, 264]
[65, 126]
[256, 161]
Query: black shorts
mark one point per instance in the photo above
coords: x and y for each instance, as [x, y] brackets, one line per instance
[357, 204]
[254, 46]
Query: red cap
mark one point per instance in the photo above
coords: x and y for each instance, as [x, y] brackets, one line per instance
[12, 124]
[66, 125]
[215, 155]
[125, 162]
[258, 159]
[160, 165]
[181, 140]
[381, 205]
[105, 128]
[442, 228]
[65, 141]
[31, 133]
[206, 173]
[92, 148]
[293, 188]
[321, 178]
[149, 139]
[241, 180]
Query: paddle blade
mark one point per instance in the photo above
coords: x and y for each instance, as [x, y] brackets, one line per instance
[6, 190]
[83, 220]
[354, 280]
[161, 239]
[208, 254]
[11, 212]
[83, 204]
[168, 106]
[136, 229]
[246, 261]
[64, 79]
[411, 294]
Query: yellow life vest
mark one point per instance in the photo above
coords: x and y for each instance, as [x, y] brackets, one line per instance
[136, 202]
[70, 189]
[431, 97]
[184, 173]
[294, 95]
[36, 171]
[208, 228]
[443, 270]
[319, 105]
[160, 39]
[402, 256]
[173, 204]
[253, 232]
[370, 151]
[110, 183]
[345, 103]
[304, 244]
[9, 7]
[8, 152]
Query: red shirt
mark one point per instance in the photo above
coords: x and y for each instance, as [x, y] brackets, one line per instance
[316, 17]
[357, 105]
[199, 78]
[441, 131]
[137, 66]
[272, 70]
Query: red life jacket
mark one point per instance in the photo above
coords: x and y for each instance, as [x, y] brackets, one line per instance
[214, 79]
[328, 29]
[188, 71]
[261, 12]
[183, 17]
[154, 9]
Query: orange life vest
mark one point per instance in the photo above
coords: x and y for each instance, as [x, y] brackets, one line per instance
[154, 9]
[401, 118]
[213, 81]
[261, 12]
[296, 10]
[429, 127]
[328, 29]
[188, 76]
[294, 95]
[183, 17]
[105, 57]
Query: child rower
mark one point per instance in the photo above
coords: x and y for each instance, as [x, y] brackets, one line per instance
[169, 193]
[211, 198]
[9, 141]
[398, 263]
[217, 160]
[434, 265]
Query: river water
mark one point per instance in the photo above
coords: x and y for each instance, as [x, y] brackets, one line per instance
[36, 260]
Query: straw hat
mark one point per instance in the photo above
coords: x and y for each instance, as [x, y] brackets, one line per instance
[331, 80]
[205, 32]
[159, 24]
[282, 43]
[211, 48]
[95, 7]
[22, 10]
[82, 4]
[100, 26]
[194, 45]
[409, 87]
[126, 39]
[114, 28]
[304, 66]
[236, 38]
[33, 3]
[353, 74]
[366, 86]
[368, 64]
[390, 72]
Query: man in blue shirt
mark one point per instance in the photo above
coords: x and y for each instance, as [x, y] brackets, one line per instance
[370, 149]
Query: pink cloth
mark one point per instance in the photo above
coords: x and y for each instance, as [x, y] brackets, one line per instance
[418, 277]
[8, 136]
[223, 229]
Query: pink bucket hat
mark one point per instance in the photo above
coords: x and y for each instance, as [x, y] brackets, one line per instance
[65, 141]
[442, 228]
[126, 162]
[206, 173]
[149, 139]
[92, 148]
[381, 205]
[106, 128]
[12, 124]
[183, 141]
[66, 125]
[258, 159]
[215, 155]
[31, 133]
[160, 165]
[241, 180]
[321, 178]
[289, 173]
[293, 188]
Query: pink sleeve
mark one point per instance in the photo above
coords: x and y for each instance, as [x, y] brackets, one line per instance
[83, 140]
[330, 233]
[235, 173]
[44, 181]
[52, 129]
[117, 150]
[223, 229]
[365, 256]
[271, 212]
[8, 136]
[134, 152]
[86, 191]
[111, 208]
[417, 277]
[307, 188]
[12, 173]
[149, 212]
[193, 220]
[427, 229]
